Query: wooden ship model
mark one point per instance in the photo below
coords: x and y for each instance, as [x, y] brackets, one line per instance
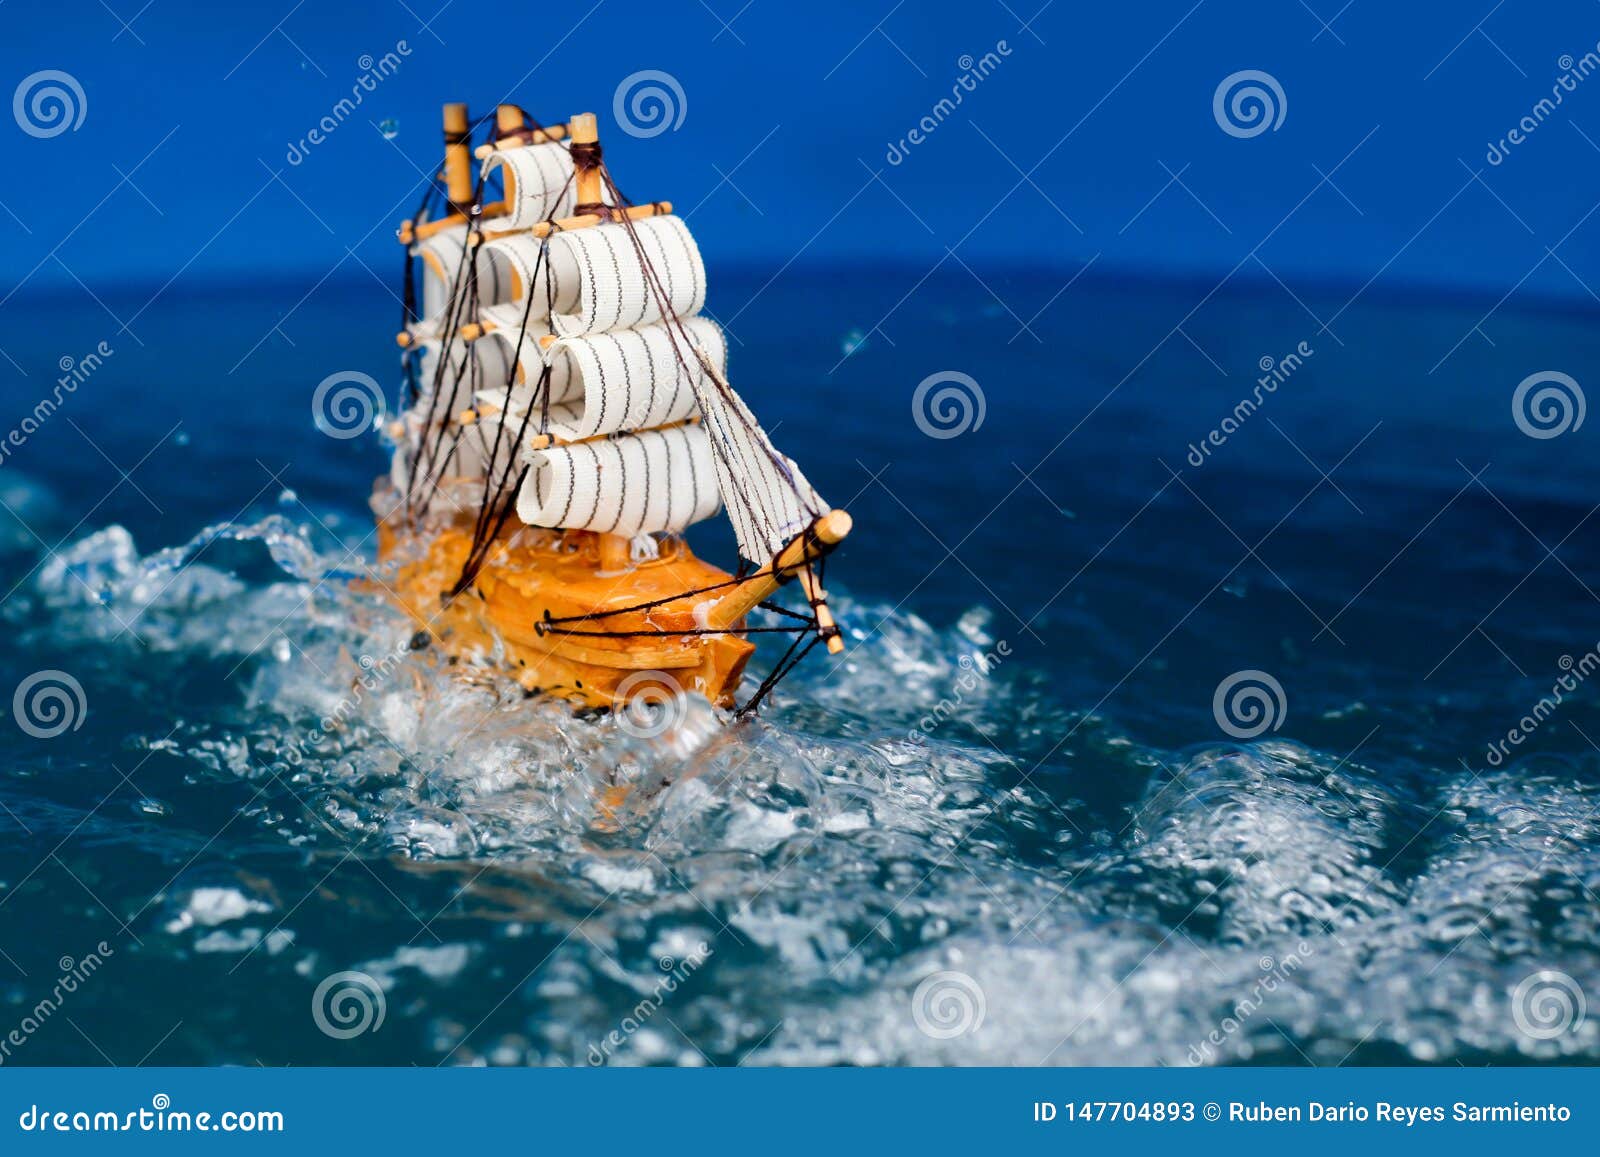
[567, 415]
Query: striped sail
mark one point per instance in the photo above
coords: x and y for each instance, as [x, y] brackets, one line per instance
[441, 261]
[769, 501]
[625, 380]
[651, 482]
[601, 281]
[617, 383]
[592, 280]
[505, 271]
[504, 345]
[538, 184]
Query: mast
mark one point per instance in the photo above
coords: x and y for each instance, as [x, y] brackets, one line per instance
[458, 156]
[508, 120]
[586, 161]
[615, 552]
[617, 463]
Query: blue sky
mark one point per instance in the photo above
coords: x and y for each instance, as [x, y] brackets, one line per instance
[1093, 139]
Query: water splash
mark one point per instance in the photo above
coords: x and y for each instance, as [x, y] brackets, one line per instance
[894, 816]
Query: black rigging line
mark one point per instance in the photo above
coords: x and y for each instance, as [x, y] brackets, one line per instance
[495, 506]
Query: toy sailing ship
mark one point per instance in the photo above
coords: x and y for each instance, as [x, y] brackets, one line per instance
[567, 417]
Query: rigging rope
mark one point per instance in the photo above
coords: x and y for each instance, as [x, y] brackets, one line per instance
[498, 500]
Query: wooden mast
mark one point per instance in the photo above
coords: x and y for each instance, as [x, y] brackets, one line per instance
[586, 131]
[511, 132]
[519, 136]
[458, 156]
[508, 120]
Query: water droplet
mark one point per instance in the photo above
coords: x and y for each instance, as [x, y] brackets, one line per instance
[389, 127]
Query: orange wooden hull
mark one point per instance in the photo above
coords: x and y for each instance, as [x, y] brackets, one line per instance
[534, 574]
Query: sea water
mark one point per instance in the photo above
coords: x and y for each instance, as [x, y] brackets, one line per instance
[1007, 825]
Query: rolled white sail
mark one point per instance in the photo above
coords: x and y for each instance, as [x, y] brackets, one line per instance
[592, 280]
[601, 283]
[769, 501]
[631, 379]
[658, 480]
[505, 272]
[538, 184]
[441, 260]
[605, 383]
[505, 343]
